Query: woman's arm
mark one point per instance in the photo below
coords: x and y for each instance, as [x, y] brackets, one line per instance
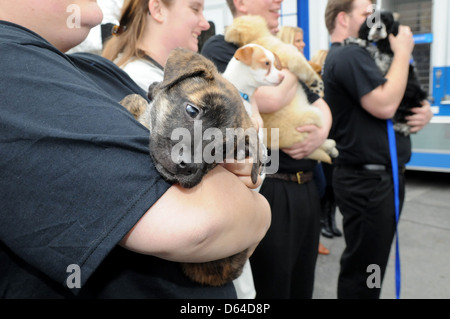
[216, 219]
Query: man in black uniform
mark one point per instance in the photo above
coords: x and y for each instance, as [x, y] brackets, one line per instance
[361, 100]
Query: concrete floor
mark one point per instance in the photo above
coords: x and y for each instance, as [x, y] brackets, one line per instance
[424, 237]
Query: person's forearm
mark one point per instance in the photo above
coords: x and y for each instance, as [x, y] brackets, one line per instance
[385, 99]
[216, 219]
[272, 98]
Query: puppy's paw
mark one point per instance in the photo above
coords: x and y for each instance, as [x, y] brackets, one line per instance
[135, 104]
[329, 146]
[317, 87]
[216, 273]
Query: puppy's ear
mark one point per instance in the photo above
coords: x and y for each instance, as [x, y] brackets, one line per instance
[152, 90]
[183, 64]
[277, 62]
[316, 67]
[244, 55]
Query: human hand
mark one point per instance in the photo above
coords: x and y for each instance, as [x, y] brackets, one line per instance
[421, 117]
[243, 170]
[316, 136]
[403, 42]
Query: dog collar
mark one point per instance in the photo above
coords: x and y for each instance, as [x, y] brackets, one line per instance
[245, 96]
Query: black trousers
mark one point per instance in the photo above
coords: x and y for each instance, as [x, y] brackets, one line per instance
[284, 262]
[366, 201]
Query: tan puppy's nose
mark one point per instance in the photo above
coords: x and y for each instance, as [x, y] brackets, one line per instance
[281, 77]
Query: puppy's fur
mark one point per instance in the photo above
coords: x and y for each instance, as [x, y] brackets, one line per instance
[193, 89]
[378, 34]
[253, 66]
[253, 29]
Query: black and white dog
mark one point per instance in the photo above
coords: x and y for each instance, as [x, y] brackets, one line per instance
[375, 37]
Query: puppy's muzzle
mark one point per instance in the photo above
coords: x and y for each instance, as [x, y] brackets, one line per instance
[175, 165]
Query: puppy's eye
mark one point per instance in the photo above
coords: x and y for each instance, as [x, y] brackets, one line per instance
[267, 63]
[192, 111]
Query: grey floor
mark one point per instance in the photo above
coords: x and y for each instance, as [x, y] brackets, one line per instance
[424, 236]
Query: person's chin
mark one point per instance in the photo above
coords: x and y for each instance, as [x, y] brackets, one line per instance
[194, 47]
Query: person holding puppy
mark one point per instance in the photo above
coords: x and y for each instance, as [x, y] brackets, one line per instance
[84, 213]
[284, 263]
[361, 100]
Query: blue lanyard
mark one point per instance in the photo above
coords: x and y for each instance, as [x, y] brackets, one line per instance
[245, 96]
[394, 164]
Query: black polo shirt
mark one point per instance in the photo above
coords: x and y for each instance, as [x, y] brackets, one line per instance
[349, 74]
[75, 177]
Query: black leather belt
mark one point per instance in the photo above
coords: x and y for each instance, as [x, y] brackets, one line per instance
[372, 167]
[299, 177]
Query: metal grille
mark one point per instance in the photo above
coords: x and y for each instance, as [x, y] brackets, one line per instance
[417, 15]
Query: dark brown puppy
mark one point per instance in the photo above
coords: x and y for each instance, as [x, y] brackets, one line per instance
[192, 99]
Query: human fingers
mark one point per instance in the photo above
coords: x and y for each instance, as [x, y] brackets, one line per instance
[243, 170]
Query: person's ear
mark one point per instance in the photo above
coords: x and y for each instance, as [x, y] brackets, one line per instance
[241, 6]
[155, 10]
[342, 18]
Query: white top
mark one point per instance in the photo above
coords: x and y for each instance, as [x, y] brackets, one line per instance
[143, 72]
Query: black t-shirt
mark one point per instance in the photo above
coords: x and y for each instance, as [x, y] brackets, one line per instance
[220, 52]
[75, 177]
[349, 74]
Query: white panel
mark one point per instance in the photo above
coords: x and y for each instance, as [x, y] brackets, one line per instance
[318, 33]
[218, 12]
[289, 7]
[290, 20]
[441, 31]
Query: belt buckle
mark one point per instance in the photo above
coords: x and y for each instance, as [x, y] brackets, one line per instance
[299, 177]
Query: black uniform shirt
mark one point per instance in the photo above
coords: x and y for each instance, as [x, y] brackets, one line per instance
[349, 74]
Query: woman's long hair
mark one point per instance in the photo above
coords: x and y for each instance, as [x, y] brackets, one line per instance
[127, 35]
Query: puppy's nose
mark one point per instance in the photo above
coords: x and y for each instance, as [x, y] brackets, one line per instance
[281, 77]
[186, 168]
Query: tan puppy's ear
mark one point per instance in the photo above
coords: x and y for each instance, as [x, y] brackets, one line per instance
[244, 55]
[277, 62]
[183, 64]
[316, 67]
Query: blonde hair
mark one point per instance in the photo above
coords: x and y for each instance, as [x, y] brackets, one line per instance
[287, 33]
[127, 35]
[319, 57]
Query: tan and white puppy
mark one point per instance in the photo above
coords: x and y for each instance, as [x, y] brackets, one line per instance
[253, 66]
[299, 112]
[253, 29]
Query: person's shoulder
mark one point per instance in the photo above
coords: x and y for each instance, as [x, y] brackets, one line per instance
[92, 59]
[143, 72]
[215, 40]
[14, 34]
[340, 53]
[216, 44]
[347, 48]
